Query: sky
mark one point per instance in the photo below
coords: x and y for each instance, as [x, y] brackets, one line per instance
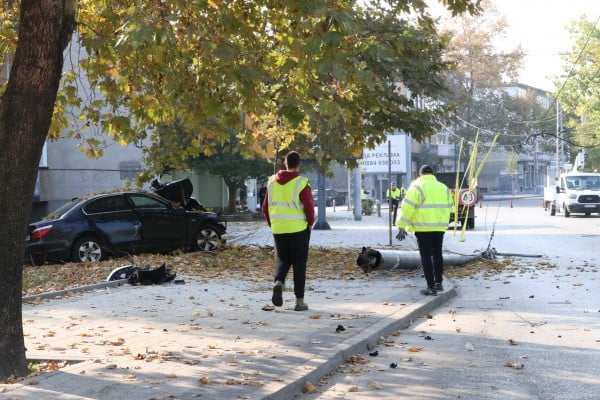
[540, 27]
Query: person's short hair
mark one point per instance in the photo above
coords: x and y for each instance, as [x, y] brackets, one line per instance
[426, 169]
[292, 160]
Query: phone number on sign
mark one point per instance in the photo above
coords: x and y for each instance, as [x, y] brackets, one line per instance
[381, 162]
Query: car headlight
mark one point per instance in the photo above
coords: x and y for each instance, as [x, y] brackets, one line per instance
[572, 196]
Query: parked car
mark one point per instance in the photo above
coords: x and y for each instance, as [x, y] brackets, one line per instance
[118, 223]
[330, 196]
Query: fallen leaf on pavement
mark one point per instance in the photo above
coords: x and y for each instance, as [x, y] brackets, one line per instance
[309, 388]
[375, 385]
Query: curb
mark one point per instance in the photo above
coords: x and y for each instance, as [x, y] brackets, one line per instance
[79, 289]
[326, 362]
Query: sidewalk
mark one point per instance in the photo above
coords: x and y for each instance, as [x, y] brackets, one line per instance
[212, 340]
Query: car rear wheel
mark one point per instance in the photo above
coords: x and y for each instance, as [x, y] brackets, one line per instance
[87, 249]
[208, 238]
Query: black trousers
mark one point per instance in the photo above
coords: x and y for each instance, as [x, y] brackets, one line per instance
[394, 209]
[430, 249]
[292, 251]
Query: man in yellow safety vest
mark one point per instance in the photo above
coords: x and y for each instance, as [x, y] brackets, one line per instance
[425, 211]
[290, 212]
[393, 196]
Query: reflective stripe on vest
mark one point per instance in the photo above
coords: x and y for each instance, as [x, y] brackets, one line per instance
[286, 211]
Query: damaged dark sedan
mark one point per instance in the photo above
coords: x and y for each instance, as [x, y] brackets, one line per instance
[120, 223]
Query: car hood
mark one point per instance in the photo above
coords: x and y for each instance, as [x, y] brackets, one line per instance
[177, 191]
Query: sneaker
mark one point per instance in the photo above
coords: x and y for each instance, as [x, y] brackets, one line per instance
[429, 291]
[300, 305]
[277, 298]
[439, 287]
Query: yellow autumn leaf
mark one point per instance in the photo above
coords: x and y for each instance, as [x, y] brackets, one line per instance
[309, 388]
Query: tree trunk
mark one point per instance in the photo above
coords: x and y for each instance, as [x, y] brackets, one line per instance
[232, 187]
[232, 201]
[45, 29]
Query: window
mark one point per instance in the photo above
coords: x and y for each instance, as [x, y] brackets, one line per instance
[143, 201]
[107, 204]
[129, 169]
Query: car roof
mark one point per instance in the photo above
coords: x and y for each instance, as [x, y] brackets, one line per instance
[79, 202]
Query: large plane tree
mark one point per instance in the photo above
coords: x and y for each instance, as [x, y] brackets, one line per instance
[26, 107]
[330, 73]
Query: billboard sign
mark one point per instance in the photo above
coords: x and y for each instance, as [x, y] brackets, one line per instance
[377, 159]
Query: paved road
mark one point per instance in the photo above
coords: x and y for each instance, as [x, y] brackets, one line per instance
[529, 333]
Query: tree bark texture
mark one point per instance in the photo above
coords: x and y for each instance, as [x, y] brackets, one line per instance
[45, 28]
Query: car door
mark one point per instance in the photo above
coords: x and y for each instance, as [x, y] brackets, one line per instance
[115, 219]
[162, 224]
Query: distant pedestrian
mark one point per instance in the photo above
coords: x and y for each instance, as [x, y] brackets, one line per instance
[393, 197]
[426, 211]
[262, 192]
[364, 195]
[289, 211]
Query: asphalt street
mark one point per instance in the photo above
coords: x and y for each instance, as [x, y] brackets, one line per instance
[531, 332]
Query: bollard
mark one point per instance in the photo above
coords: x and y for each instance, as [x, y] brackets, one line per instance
[333, 204]
[378, 205]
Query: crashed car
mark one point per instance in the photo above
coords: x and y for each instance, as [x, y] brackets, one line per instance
[121, 223]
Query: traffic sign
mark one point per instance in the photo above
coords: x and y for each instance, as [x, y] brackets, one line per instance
[468, 197]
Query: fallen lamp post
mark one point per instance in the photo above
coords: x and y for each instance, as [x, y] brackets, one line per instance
[371, 259]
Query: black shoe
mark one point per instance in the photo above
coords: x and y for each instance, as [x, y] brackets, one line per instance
[301, 306]
[277, 298]
[439, 287]
[429, 291]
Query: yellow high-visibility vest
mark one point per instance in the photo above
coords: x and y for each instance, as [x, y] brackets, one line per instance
[393, 193]
[286, 211]
[426, 206]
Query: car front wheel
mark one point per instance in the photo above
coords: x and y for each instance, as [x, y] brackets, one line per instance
[87, 249]
[208, 238]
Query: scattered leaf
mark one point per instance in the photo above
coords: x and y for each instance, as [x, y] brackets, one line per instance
[375, 385]
[309, 388]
